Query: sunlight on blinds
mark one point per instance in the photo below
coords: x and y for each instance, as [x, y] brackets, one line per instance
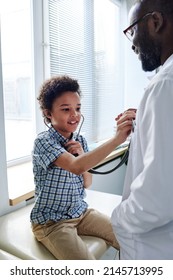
[84, 43]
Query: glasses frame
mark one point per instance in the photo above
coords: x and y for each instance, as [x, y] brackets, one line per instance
[134, 23]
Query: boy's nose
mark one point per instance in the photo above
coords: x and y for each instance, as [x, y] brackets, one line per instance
[74, 113]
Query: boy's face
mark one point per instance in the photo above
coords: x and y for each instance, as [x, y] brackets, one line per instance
[66, 113]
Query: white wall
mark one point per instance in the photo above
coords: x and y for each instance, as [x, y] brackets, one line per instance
[110, 183]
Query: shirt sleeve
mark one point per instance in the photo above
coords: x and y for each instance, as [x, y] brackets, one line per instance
[149, 204]
[46, 151]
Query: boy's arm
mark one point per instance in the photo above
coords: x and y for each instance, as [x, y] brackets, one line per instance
[87, 179]
[77, 148]
[85, 161]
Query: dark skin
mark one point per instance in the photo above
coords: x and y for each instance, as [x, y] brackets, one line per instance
[158, 32]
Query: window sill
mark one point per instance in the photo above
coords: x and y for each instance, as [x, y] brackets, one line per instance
[20, 183]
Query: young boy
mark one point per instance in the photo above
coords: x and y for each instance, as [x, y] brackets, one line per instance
[60, 214]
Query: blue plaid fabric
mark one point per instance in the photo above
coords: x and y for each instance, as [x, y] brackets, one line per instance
[59, 194]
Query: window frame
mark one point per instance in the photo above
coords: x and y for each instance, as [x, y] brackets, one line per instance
[4, 207]
[38, 78]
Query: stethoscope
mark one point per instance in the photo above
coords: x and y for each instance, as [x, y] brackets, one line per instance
[124, 158]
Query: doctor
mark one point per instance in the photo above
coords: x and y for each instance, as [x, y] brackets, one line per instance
[143, 222]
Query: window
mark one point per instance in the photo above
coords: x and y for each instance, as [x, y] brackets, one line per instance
[84, 43]
[18, 97]
[16, 50]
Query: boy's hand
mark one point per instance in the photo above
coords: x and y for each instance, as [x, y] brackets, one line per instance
[125, 124]
[74, 148]
[130, 109]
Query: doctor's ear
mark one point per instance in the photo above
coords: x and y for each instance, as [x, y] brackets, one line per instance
[157, 20]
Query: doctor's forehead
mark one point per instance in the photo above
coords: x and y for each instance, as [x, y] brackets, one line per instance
[135, 13]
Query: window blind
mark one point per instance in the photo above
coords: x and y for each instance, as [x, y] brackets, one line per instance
[84, 44]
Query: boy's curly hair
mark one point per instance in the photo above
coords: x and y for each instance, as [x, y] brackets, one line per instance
[53, 88]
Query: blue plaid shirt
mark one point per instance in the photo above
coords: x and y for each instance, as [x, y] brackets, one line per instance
[59, 193]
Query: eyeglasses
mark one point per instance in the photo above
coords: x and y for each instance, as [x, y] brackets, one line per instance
[129, 31]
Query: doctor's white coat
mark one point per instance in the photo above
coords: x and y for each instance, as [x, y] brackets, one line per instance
[143, 222]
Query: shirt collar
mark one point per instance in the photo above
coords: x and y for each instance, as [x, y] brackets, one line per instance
[56, 135]
[169, 60]
[166, 63]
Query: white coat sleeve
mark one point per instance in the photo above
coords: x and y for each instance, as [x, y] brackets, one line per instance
[150, 201]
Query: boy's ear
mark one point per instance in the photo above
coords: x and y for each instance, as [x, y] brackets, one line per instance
[47, 113]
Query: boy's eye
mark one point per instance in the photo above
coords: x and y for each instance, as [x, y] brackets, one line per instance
[65, 109]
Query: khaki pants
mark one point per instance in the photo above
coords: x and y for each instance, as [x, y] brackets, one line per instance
[62, 238]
